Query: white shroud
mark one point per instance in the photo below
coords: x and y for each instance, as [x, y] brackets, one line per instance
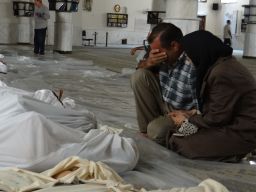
[35, 135]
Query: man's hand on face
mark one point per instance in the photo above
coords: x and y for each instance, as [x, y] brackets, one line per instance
[156, 57]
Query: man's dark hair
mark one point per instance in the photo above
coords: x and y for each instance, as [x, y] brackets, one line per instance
[228, 22]
[170, 34]
[159, 29]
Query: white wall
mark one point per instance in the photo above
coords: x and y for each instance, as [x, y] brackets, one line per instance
[215, 20]
[183, 13]
[159, 5]
[8, 23]
[96, 21]
[137, 30]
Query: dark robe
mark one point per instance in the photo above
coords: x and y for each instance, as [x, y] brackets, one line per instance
[227, 125]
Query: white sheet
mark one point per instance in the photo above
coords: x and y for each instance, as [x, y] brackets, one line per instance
[96, 175]
[14, 101]
[36, 136]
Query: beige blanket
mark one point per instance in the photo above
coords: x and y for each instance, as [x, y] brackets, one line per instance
[96, 176]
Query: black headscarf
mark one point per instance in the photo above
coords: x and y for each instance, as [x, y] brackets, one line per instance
[204, 49]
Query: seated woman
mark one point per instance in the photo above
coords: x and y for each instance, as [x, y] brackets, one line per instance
[36, 135]
[227, 93]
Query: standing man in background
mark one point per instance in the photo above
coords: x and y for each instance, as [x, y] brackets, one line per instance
[41, 16]
[227, 34]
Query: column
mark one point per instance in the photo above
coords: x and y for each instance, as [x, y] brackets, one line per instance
[24, 11]
[25, 30]
[183, 13]
[250, 35]
[63, 33]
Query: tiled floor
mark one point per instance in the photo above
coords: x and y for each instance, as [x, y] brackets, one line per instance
[116, 59]
[98, 80]
[249, 63]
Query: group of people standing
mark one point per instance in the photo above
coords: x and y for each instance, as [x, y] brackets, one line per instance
[200, 102]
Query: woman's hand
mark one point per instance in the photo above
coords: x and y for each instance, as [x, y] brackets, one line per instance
[187, 113]
[178, 117]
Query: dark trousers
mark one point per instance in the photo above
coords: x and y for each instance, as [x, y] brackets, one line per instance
[227, 41]
[39, 41]
[150, 107]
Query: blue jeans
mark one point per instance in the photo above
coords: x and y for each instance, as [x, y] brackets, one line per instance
[39, 41]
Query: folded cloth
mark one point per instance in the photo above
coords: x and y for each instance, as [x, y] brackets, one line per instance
[96, 176]
[109, 129]
[76, 170]
[82, 169]
[208, 185]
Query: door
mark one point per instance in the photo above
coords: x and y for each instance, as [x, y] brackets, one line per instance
[202, 22]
